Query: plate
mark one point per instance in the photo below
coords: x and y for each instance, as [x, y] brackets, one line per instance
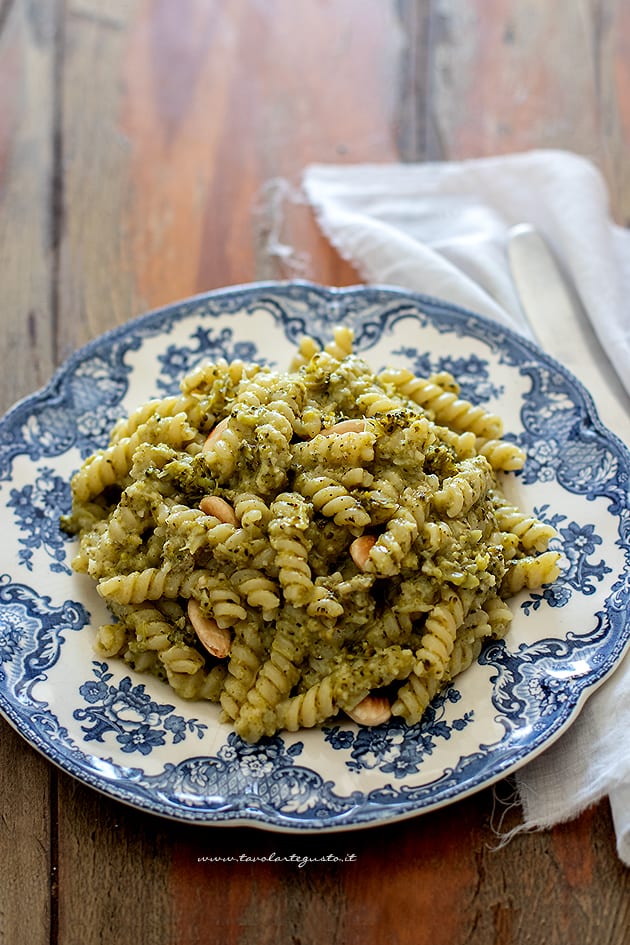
[130, 737]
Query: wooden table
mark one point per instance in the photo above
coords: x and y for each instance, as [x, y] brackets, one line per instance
[150, 150]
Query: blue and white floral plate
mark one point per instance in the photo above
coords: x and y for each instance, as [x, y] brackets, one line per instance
[130, 737]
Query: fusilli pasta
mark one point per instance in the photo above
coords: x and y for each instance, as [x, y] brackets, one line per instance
[297, 545]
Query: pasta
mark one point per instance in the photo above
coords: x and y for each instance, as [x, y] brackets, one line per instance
[297, 545]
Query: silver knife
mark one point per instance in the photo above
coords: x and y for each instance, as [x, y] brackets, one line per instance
[561, 326]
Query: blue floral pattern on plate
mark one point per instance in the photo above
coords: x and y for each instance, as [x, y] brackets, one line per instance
[138, 722]
[130, 737]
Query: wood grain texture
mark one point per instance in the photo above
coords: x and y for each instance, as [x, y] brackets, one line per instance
[614, 83]
[152, 149]
[509, 76]
[28, 56]
[111, 871]
[27, 857]
[27, 69]
[435, 880]
[210, 113]
[95, 282]
[101, 846]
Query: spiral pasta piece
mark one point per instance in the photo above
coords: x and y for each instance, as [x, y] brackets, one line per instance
[388, 552]
[445, 405]
[465, 652]
[439, 636]
[530, 571]
[309, 708]
[188, 682]
[413, 697]
[111, 640]
[323, 604]
[191, 529]
[159, 407]
[502, 454]
[460, 492]
[376, 401]
[533, 535]
[219, 597]
[355, 449]
[251, 510]
[307, 347]
[151, 629]
[333, 500]
[182, 660]
[498, 615]
[221, 448]
[246, 657]
[286, 536]
[258, 590]
[276, 678]
[150, 584]
[109, 466]
[341, 345]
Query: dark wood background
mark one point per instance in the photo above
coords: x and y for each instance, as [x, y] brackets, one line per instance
[152, 149]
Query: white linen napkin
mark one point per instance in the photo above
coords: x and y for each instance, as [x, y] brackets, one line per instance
[441, 229]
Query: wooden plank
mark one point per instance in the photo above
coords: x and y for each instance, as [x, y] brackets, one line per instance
[112, 872]
[434, 880]
[27, 68]
[103, 847]
[531, 96]
[27, 64]
[185, 137]
[508, 76]
[277, 888]
[416, 131]
[27, 868]
[215, 189]
[446, 878]
[612, 43]
[95, 283]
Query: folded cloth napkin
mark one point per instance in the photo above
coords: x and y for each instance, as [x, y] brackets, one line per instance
[441, 229]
